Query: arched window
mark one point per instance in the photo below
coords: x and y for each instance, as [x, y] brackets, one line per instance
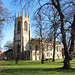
[19, 26]
[25, 25]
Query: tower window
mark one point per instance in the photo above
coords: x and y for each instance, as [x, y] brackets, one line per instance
[25, 25]
[19, 26]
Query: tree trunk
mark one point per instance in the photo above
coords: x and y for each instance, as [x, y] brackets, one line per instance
[54, 48]
[68, 57]
[41, 45]
[66, 53]
[67, 64]
[42, 57]
[54, 44]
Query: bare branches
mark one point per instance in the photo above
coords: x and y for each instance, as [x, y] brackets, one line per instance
[43, 6]
[65, 10]
[39, 2]
[4, 17]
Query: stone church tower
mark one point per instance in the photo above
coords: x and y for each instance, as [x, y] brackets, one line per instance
[21, 36]
[27, 48]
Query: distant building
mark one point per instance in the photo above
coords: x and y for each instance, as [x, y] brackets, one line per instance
[48, 49]
[6, 55]
[9, 54]
[27, 48]
[1, 52]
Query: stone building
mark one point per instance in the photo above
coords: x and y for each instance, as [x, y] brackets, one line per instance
[47, 49]
[27, 48]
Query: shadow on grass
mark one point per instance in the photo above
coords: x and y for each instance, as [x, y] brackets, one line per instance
[13, 69]
[37, 71]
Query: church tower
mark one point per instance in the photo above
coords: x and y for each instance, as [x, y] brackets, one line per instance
[21, 36]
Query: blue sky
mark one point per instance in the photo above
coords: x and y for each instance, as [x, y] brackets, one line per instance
[8, 30]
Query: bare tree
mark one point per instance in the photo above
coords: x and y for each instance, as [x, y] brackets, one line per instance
[67, 59]
[8, 45]
[66, 16]
[52, 26]
[39, 30]
[4, 17]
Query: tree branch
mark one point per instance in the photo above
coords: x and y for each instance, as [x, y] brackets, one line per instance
[43, 6]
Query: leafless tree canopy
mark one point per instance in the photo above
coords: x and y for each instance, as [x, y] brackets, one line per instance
[8, 45]
[4, 17]
[65, 10]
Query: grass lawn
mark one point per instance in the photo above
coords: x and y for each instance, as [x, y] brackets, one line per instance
[35, 68]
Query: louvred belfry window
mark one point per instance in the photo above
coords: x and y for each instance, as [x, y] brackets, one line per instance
[19, 27]
[25, 25]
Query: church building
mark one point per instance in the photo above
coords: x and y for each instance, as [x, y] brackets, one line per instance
[29, 48]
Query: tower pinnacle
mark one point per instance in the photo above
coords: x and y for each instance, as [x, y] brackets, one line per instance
[18, 14]
[15, 14]
[28, 15]
[22, 13]
[25, 14]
